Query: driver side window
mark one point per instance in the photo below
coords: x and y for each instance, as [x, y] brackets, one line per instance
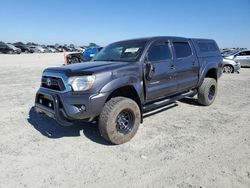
[159, 52]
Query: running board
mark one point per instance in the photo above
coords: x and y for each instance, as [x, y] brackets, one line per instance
[167, 101]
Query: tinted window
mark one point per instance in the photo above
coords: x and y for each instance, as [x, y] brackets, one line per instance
[159, 52]
[182, 49]
[203, 47]
[212, 46]
[244, 53]
[207, 46]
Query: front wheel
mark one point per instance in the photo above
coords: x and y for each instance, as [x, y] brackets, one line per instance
[119, 120]
[75, 60]
[207, 91]
[228, 69]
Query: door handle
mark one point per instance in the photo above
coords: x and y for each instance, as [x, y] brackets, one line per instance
[172, 67]
[153, 68]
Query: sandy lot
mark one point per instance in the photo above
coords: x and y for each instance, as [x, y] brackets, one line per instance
[184, 146]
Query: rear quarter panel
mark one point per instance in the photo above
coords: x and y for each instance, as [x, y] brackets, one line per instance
[210, 59]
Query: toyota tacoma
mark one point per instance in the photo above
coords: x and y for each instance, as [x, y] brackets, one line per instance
[128, 78]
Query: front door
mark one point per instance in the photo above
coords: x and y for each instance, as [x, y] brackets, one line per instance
[243, 58]
[162, 81]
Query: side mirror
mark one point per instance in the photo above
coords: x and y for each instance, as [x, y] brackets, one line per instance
[150, 69]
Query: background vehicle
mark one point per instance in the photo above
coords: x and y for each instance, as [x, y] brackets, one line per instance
[52, 50]
[74, 57]
[74, 48]
[59, 48]
[230, 66]
[38, 49]
[128, 78]
[67, 49]
[25, 48]
[9, 49]
[79, 49]
[87, 55]
[242, 57]
[46, 49]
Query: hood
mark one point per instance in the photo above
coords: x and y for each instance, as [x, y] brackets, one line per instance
[229, 61]
[229, 57]
[87, 68]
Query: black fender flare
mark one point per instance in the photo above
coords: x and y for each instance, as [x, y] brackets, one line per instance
[204, 70]
[131, 81]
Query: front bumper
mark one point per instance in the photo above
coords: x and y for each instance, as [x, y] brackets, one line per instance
[67, 108]
[237, 67]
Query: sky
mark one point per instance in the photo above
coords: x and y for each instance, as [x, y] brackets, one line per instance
[104, 21]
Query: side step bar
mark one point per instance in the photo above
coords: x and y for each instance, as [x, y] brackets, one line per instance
[163, 102]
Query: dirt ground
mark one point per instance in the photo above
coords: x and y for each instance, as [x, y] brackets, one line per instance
[185, 145]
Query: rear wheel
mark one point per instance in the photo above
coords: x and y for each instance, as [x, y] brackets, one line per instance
[207, 91]
[228, 69]
[119, 120]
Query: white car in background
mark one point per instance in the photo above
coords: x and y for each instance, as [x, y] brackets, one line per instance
[38, 49]
[53, 50]
[242, 57]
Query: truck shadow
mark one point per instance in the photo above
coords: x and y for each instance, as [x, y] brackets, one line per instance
[51, 129]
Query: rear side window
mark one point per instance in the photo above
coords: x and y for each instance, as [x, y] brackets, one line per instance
[207, 46]
[182, 49]
[211, 46]
[244, 53]
[159, 52]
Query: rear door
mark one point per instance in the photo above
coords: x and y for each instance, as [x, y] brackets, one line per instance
[186, 65]
[243, 58]
[162, 82]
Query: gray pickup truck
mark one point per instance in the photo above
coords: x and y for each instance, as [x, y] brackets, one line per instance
[128, 78]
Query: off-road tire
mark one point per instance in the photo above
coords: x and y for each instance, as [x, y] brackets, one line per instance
[109, 115]
[204, 97]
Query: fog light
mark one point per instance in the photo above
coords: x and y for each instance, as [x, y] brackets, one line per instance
[82, 108]
[50, 105]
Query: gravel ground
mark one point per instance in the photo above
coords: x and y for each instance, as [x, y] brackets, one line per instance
[185, 145]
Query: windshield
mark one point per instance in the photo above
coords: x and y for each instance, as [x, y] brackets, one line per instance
[122, 51]
[228, 53]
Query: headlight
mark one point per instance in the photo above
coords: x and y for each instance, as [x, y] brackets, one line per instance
[81, 83]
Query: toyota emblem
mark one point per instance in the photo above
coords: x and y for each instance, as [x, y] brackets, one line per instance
[48, 82]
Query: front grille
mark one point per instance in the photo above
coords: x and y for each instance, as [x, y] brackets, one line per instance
[53, 83]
